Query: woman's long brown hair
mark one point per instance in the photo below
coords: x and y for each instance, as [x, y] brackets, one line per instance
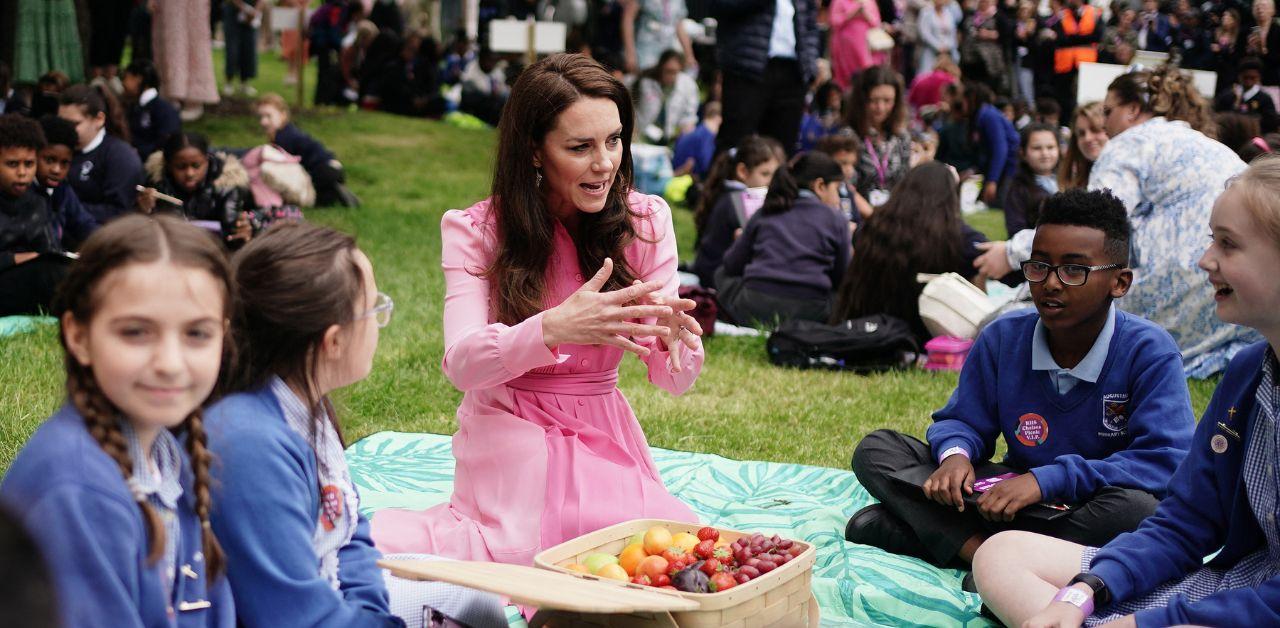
[139, 239]
[525, 226]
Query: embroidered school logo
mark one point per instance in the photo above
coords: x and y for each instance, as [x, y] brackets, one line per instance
[1115, 412]
[1032, 429]
[330, 506]
[85, 169]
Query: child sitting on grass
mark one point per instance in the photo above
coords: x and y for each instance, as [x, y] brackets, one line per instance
[72, 223]
[1092, 403]
[1222, 500]
[105, 171]
[793, 252]
[722, 211]
[1035, 179]
[152, 119]
[27, 275]
[326, 171]
[213, 188]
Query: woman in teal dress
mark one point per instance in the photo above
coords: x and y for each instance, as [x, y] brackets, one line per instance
[46, 38]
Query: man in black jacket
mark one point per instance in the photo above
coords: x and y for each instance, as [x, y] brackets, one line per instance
[767, 51]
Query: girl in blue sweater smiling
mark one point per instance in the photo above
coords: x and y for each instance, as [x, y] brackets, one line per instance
[1091, 402]
[1223, 498]
[298, 547]
[115, 486]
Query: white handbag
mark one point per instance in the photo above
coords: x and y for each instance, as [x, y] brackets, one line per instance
[951, 306]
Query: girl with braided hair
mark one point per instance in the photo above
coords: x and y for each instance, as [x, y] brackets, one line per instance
[115, 486]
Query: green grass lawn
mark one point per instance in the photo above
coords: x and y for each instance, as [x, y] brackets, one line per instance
[408, 172]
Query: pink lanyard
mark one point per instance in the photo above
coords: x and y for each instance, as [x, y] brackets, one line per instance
[882, 166]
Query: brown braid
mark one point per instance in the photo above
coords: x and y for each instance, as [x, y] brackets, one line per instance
[100, 417]
[200, 460]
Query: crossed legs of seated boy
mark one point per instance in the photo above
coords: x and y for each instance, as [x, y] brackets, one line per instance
[908, 522]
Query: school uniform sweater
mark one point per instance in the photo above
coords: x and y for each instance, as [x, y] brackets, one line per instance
[297, 142]
[72, 223]
[106, 177]
[151, 121]
[1131, 428]
[717, 234]
[800, 253]
[71, 497]
[25, 227]
[1206, 509]
[266, 527]
[999, 143]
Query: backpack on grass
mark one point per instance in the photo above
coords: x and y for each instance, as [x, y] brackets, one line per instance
[868, 344]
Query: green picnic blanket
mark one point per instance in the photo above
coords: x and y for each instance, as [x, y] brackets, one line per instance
[856, 585]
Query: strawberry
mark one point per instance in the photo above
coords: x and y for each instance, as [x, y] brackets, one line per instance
[705, 549]
[724, 555]
[709, 534]
[710, 566]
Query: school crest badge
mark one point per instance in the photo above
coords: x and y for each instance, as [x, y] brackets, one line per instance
[1115, 412]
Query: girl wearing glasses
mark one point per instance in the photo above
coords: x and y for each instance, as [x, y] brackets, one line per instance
[1167, 171]
[548, 284]
[298, 549]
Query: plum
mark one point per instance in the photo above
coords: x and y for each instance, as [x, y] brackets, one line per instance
[691, 579]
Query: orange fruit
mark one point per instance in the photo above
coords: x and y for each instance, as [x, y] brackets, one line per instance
[578, 567]
[630, 558]
[657, 539]
[653, 567]
[685, 541]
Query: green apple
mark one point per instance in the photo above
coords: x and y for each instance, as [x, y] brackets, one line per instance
[595, 562]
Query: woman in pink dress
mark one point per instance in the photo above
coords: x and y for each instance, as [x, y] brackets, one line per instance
[547, 447]
[850, 54]
[183, 47]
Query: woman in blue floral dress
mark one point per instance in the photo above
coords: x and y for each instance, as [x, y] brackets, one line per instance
[1168, 173]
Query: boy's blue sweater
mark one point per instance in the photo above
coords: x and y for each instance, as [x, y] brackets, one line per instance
[1207, 509]
[266, 505]
[1000, 144]
[71, 497]
[700, 144]
[1130, 429]
[72, 223]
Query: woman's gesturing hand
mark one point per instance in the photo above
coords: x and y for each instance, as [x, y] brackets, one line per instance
[679, 327]
[592, 317]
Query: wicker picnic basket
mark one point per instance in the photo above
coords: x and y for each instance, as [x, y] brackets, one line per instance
[568, 599]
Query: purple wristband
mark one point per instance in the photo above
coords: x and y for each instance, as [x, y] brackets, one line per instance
[1076, 598]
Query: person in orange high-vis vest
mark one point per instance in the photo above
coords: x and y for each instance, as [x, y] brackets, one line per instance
[1076, 33]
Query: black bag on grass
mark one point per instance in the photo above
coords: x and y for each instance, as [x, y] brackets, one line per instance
[871, 343]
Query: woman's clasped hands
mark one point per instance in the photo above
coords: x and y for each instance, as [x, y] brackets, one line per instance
[592, 317]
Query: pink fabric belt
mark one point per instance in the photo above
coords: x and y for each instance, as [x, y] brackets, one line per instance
[595, 383]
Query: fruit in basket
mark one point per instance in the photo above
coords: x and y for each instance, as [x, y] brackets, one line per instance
[663, 581]
[598, 560]
[710, 566]
[657, 539]
[691, 579]
[722, 582]
[724, 555]
[708, 533]
[685, 541]
[705, 549]
[630, 558]
[672, 554]
[653, 567]
[638, 537]
[613, 571]
[642, 579]
[578, 567]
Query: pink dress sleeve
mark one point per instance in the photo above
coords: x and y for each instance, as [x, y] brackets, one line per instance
[480, 353]
[842, 11]
[656, 260]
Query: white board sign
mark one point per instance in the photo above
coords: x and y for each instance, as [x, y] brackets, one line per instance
[513, 36]
[1095, 77]
[286, 18]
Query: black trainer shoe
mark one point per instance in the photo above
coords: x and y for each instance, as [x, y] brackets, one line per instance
[876, 526]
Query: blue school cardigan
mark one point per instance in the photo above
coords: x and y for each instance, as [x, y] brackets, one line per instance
[266, 506]
[71, 497]
[1207, 509]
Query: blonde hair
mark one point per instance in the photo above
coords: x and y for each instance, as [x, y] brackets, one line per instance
[271, 99]
[1075, 168]
[1259, 187]
[1167, 92]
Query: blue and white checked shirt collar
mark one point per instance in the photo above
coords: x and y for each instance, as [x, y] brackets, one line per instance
[1089, 368]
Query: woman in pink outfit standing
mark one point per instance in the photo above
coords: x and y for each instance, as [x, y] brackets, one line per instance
[850, 54]
[548, 283]
[183, 46]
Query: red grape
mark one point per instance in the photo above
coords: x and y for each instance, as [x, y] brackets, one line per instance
[766, 566]
[742, 578]
[750, 571]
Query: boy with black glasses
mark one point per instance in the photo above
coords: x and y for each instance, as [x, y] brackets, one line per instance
[1092, 403]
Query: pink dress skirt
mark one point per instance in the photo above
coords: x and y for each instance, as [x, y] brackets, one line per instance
[547, 447]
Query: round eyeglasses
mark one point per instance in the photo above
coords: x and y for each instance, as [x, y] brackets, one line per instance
[382, 309]
[1068, 274]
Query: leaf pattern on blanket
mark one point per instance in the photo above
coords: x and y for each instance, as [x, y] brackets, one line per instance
[855, 585]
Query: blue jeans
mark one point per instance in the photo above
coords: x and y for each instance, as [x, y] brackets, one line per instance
[242, 45]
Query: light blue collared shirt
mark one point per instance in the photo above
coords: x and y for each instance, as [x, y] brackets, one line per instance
[782, 41]
[1087, 370]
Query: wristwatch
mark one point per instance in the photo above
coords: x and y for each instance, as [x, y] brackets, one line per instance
[1076, 598]
[1101, 594]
